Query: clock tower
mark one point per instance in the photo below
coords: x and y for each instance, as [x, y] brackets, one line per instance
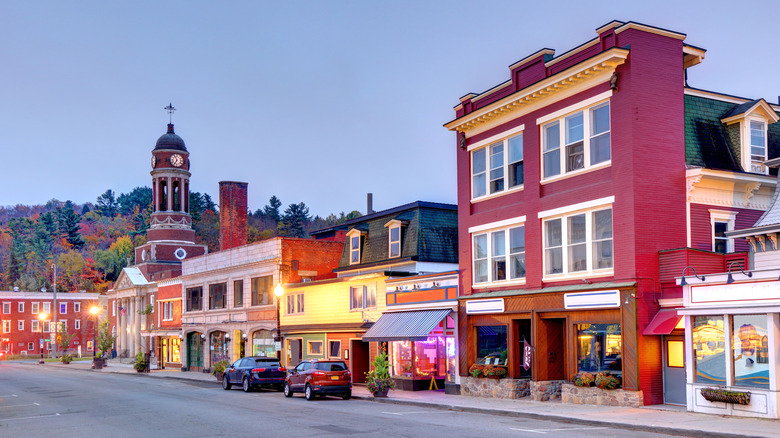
[170, 237]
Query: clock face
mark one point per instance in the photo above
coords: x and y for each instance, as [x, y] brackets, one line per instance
[154, 161]
[177, 160]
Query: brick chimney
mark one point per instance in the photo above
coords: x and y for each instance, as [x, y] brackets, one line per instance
[232, 214]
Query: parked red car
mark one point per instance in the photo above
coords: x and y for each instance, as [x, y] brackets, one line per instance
[319, 377]
[254, 372]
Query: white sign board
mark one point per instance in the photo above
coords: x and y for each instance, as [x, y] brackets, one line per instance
[485, 306]
[766, 293]
[278, 345]
[592, 300]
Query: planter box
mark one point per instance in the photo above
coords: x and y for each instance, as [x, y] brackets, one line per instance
[726, 396]
[600, 397]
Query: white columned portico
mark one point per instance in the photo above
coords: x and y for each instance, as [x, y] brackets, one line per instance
[137, 316]
[122, 332]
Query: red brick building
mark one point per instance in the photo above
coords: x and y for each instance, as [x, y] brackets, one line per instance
[587, 182]
[23, 329]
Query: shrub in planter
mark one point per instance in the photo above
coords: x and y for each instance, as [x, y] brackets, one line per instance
[140, 363]
[476, 370]
[582, 379]
[67, 358]
[496, 372]
[607, 381]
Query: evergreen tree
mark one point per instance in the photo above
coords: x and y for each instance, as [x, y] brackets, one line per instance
[68, 225]
[139, 197]
[294, 221]
[271, 210]
[107, 204]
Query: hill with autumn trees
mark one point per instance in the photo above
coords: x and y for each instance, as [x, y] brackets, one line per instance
[90, 243]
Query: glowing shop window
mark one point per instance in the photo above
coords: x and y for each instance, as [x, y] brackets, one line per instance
[709, 348]
[675, 353]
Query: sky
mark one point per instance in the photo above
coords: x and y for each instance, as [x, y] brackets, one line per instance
[318, 102]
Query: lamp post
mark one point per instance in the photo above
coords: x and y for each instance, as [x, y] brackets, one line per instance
[278, 292]
[94, 311]
[41, 318]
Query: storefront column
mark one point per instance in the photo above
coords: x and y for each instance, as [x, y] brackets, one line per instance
[131, 328]
[137, 316]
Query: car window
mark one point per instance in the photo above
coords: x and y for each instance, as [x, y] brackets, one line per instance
[306, 366]
[300, 366]
[266, 363]
[332, 366]
[237, 363]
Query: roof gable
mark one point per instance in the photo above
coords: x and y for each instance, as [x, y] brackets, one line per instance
[758, 106]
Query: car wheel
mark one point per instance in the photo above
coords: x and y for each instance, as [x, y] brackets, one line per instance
[287, 390]
[226, 383]
[347, 395]
[245, 385]
[308, 393]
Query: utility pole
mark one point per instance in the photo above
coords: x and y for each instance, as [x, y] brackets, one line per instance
[55, 310]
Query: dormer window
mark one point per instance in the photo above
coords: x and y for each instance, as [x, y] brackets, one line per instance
[394, 228]
[753, 119]
[354, 241]
[757, 141]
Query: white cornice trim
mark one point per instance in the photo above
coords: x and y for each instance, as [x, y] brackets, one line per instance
[598, 66]
[498, 224]
[723, 97]
[577, 106]
[576, 207]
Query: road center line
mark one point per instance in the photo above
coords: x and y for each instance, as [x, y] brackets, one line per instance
[30, 418]
[406, 413]
[557, 430]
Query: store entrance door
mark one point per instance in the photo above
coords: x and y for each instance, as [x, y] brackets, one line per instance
[359, 360]
[549, 348]
[674, 370]
[296, 354]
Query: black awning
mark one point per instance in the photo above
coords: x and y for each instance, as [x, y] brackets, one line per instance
[405, 326]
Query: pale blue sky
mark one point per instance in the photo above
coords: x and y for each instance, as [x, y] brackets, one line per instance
[313, 101]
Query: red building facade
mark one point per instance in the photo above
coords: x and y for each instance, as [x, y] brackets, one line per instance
[574, 175]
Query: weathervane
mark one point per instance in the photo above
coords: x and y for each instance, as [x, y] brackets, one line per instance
[170, 110]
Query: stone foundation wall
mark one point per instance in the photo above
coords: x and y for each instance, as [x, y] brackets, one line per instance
[494, 388]
[602, 397]
[546, 390]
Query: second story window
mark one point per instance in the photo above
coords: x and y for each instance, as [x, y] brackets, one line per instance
[497, 167]
[21, 308]
[238, 293]
[578, 243]
[46, 308]
[34, 308]
[217, 296]
[362, 297]
[63, 308]
[499, 255]
[6, 308]
[77, 307]
[576, 141]
[261, 290]
[194, 298]
[295, 303]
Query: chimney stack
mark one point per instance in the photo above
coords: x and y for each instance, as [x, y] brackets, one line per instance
[232, 214]
[369, 203]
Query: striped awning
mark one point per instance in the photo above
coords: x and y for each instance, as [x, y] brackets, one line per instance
[405, 326]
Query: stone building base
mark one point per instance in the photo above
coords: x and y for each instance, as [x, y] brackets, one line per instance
[494, 388]
[602, 397]
[546, 390]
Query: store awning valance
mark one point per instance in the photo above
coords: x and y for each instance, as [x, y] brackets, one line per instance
[405, 326]
[663, 323]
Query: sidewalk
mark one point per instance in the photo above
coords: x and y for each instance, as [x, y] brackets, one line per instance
[660, 419]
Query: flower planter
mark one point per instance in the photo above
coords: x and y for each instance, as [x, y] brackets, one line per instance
[381, 393]
[726, 396]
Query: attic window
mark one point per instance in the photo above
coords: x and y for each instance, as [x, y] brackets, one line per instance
[394, 238]
[354, 238]
[757, 141]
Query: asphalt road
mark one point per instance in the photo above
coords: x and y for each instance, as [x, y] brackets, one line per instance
[38, 401]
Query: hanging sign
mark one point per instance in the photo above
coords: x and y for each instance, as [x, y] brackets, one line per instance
[527, 354]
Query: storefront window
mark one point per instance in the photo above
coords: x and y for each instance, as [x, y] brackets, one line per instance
[750, 350]
[599, 348]
[709, 347]
[402, 358]
[491, 345]
[218, 347]
[263, 344]
[430, 357]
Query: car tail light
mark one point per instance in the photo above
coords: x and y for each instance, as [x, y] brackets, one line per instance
[318, 373]
[258, 370]
[283, 369]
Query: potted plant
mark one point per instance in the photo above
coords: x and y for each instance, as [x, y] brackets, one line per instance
[66, 358]
[140, 364]
[582, 379]
[726, 396]
[606, 381]
[219, 369]
[476, 370]
[378, 380]
[497, 372]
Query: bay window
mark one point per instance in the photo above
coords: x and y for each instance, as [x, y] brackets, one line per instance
[499, 255]
[497, 167]
[576, 141]
[578, 243]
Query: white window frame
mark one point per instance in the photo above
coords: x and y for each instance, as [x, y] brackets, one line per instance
[46, 308]
[20, 325]
[35, 308]
[34, 325]
[47, 326]
[113, 308]
[330, 348]
[6, 308]
[490, 232]
[65, 310]
[30, 346]
[563, 215]
[355, 245]
[367, 300]
[756, 161]
[394, 225]
[77, 324]
[560, 118]
[723, 216]
[6, 326]
[20, 307]
[76, 307]
[310, 352]
[295, 304]
[488, 148]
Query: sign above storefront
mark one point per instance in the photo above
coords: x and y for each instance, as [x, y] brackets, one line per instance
[485, 306]
[590, 300]
[766, 292]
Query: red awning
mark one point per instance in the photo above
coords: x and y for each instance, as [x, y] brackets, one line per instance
[664, 322]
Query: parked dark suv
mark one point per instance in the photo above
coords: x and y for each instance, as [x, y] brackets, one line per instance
[254, 372]
[319, 377]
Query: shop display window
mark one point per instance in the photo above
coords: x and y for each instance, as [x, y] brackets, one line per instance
[263, 344]
[750, 350]
[430, 358]
[402, 358]
[709, 348]
[599, 348]
[491, 345]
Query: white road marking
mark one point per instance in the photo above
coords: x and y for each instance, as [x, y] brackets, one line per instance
[29, 418]
[557, 430]
[410, 412]
[7, 395]
[26, 404]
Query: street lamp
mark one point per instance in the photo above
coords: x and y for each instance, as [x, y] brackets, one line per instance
[94, 311]
[278, 292]
[41, 318]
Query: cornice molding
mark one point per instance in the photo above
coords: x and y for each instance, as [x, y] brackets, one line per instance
[599, 65]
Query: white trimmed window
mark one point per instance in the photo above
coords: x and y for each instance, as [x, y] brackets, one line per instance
[77, 307]
[46, 308]
[21, 307]
[499, 255]
[6, 326]
[6, 308]
[47, 326]
[30, 346]
[63, 308]
[497, 167]
[20, 325]
[576, 141]
[315, 348]
[578, 243]
[394, 233]
[354, 237]
[77, 323]
[34, 325]
[295, 304]
[35, 306]
[758, 142]
[362, 297]
[722, 221]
